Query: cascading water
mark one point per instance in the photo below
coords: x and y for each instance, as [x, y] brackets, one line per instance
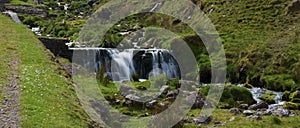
[121, 65]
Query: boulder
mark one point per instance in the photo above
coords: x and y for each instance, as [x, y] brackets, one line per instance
[248, 112]
[260, 105]
[235, 111]
[279, 111]
[173, 93]
[164, 89]
[203, 119]
[254, 117]
[243, 106]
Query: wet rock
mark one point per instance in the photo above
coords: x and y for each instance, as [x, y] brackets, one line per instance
[278, 111]
[143, 115]
[259, 105]
[164, 89]
[235, 111]
[173, 93]
[151, 103]
[26, 10]
[248, 112]
[186, 120]
[243, 106]
[254, 117]
[203, 119]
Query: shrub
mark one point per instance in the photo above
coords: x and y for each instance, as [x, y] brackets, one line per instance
[174, 83]
[279, 82]
[232, 95]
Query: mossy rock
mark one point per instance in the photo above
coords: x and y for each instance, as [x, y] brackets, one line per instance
[291, 106]
[248, 85]
[286, 96]
[268, 97]
[296, 100]
[295, 94]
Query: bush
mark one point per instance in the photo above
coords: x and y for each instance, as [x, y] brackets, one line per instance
[281, 82]
[174, 83]
[268, 97]
[232, 95]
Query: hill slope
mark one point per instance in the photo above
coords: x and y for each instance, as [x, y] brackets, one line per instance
[47, 97]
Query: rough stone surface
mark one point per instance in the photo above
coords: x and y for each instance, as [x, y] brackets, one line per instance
[235, 111]
[260, 105]
[243, 106]
[254, 117]
[203, 119]
[248, 112]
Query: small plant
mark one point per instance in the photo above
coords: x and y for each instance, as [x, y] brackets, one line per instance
[276, 120]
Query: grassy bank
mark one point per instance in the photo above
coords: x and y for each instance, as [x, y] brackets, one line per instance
[48, 98]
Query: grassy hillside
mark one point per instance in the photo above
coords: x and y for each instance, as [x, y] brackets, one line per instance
[48, 98]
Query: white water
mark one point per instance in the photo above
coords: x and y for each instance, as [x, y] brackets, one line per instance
[258, 92]
[122, 65]
[14, 16]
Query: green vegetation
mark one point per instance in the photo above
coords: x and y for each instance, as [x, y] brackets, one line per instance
[240, 121]
[232, 96]
[268, 97]
[48, 99]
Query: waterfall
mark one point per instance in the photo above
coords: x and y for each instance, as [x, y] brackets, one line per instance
[120, 65]
[14, 16]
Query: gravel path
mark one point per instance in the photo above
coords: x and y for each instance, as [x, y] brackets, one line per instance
[9, 110]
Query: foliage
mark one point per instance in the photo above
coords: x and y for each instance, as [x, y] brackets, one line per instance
[232, 95]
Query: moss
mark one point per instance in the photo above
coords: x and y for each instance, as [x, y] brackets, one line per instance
[286, 96]
[232, 95]
[291, 106]
[268, 97]
[295, 94]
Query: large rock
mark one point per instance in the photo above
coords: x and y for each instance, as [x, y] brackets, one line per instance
[235, 111]
[278, 111]
[254, 117]
[243, 106]
[260, 105]
[248, 112]
[203, 119]
[26, 10]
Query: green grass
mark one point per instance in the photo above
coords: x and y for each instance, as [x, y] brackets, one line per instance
[241, 121]
[48, 99]
[20, 2]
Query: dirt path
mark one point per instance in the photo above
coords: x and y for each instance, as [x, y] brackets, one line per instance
[10, 105]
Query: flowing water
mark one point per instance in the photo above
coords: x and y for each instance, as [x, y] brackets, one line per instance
[121, 65]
